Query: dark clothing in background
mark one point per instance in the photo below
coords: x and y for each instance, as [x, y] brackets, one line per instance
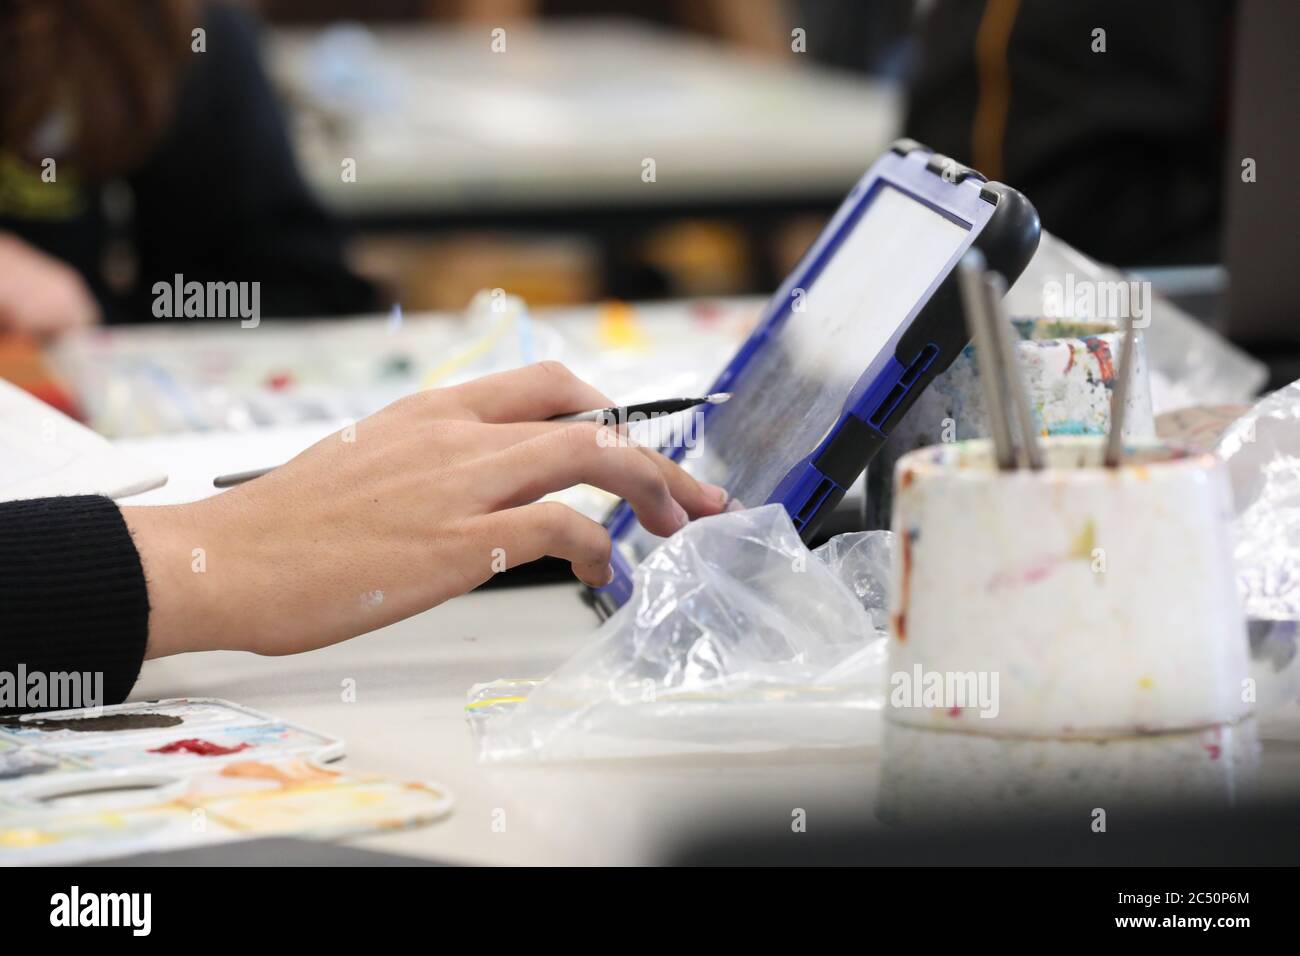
[872, 37]
[219, 200]
[72, 592]
[1121, 152]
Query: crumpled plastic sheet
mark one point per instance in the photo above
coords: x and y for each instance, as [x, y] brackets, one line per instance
[1262, 451]
[1190, 363]
[737, 638]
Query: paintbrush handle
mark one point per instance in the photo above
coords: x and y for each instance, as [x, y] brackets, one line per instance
[970, 281]
[239, 477]
[619, 414]
[1031, 452]
[624, 413]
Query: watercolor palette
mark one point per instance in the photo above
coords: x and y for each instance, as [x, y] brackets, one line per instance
[165, 735]
[154, 775]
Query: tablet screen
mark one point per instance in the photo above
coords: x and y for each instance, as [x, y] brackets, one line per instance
[791, 393]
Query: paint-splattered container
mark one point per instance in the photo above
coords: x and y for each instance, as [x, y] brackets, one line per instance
[1069, 370]
[1094, 601]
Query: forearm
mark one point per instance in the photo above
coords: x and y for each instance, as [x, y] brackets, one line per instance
[237, 573]
[242, 571]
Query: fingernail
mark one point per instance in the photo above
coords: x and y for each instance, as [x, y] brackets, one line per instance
[716, 492]
[680, 514]
[609, 574]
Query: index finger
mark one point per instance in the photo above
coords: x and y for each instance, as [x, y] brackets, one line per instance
[529, 394]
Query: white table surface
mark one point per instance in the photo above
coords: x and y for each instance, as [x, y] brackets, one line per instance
[408, 721]
[565, 116]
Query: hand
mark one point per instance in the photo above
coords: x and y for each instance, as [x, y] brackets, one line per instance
[420, 502]
[40, 295]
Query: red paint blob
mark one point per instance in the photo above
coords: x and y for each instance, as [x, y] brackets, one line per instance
[200, 748]
[900, 616]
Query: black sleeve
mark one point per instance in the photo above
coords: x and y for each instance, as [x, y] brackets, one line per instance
[72, 592]
[222, 199]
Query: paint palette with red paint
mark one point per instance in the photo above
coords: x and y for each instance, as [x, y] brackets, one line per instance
[101, 783]
[164, 735]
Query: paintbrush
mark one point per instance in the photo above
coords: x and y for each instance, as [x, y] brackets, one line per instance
[622, 414]
[1119, 398]
[616, 415]
[1030, 452]
[975, 304]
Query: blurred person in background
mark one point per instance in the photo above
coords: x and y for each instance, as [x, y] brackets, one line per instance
[1119, 137]
[133, 149]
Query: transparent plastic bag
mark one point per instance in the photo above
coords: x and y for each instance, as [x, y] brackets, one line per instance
[1262, 450]
[1190, 363]
[737, 638]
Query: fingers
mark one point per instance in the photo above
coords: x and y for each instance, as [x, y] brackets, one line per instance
[480, 438]
[549, 528]
[533, 393]
[579, 454]
[698, 499]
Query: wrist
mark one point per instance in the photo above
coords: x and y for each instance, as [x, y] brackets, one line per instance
[186, 609]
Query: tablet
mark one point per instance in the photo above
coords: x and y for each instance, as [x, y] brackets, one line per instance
[866, 320]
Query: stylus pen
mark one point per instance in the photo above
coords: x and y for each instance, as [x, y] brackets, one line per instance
[970, 276]
[1119, 398]
[619, 414]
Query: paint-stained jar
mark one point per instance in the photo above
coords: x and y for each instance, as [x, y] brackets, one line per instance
[1084, 600]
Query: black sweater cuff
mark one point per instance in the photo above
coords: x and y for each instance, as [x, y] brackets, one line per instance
[72, 594]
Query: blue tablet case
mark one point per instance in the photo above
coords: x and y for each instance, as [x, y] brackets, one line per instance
[1000, 222]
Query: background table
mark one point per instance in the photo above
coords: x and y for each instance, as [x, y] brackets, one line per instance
[550, 139]
[443, 128]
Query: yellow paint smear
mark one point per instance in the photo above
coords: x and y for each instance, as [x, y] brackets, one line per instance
[1084, 543]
